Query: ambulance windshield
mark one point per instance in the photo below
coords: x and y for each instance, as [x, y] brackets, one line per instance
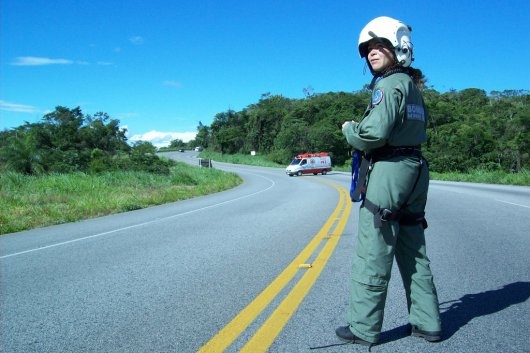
[295, 161]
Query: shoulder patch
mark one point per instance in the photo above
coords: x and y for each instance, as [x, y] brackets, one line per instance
[377, 97]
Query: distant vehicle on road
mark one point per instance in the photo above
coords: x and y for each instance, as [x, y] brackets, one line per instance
[198, 149]
[308, 163]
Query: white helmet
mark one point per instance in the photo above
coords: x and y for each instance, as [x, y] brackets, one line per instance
[394, 31]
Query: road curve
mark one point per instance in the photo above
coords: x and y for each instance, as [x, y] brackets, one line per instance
[170, 278]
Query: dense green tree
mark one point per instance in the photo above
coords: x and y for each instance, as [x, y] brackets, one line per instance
[227, 132]
[203, 136]
[104, 133]
[18, 151]
[143, 157]
[468, 129]
[177, 143]
[292, 139]
[67, 141]
[264, 121]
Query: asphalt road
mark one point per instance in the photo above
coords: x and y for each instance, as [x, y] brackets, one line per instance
[224, 270]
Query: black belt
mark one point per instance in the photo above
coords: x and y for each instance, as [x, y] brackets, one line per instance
[387, 152]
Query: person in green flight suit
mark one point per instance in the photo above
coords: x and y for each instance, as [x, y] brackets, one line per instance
[394, 189]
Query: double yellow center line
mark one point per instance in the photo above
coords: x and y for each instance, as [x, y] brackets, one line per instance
[329, 235]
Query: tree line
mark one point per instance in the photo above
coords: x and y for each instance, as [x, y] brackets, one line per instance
[67, 141]
[468, 129]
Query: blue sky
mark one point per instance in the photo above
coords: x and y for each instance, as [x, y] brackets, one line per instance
[161, 66]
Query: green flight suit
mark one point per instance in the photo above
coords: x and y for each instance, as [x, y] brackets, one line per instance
[396, 116]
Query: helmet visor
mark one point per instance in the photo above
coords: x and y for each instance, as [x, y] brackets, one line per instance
[363, 47]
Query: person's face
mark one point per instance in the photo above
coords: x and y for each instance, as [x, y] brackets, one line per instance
[379, 56]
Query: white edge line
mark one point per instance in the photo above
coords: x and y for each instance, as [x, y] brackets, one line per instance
[145, 223]
[515, 204]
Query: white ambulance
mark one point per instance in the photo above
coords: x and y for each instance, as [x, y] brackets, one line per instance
[309, 163]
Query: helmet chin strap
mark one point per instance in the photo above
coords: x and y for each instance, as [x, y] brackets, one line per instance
[364, 67]
[374, 80]
[397, 68]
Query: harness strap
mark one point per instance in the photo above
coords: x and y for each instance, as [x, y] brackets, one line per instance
[384, 214]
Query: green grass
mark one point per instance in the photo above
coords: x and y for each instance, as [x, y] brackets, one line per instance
[35, 201]
[257, 160]
[478, 176]
[29, 202]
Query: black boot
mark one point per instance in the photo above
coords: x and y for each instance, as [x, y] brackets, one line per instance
[431, 336]
[345, 334]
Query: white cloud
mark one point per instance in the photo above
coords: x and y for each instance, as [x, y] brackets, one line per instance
[39, 61]
[19, 108]
[136, 40]
[163, 139]
[171, 83]
[126, 115]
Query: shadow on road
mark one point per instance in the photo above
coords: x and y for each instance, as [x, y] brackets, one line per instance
[455, 314]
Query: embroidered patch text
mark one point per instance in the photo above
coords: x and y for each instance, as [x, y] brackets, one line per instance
[415, 112]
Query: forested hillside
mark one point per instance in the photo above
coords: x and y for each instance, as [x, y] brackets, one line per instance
[468, 129]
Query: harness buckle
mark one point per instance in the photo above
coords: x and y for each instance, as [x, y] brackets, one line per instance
[386, 214]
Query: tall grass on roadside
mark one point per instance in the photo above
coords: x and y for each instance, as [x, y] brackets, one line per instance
[521, 178]
[257, 160]
[35, 201]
